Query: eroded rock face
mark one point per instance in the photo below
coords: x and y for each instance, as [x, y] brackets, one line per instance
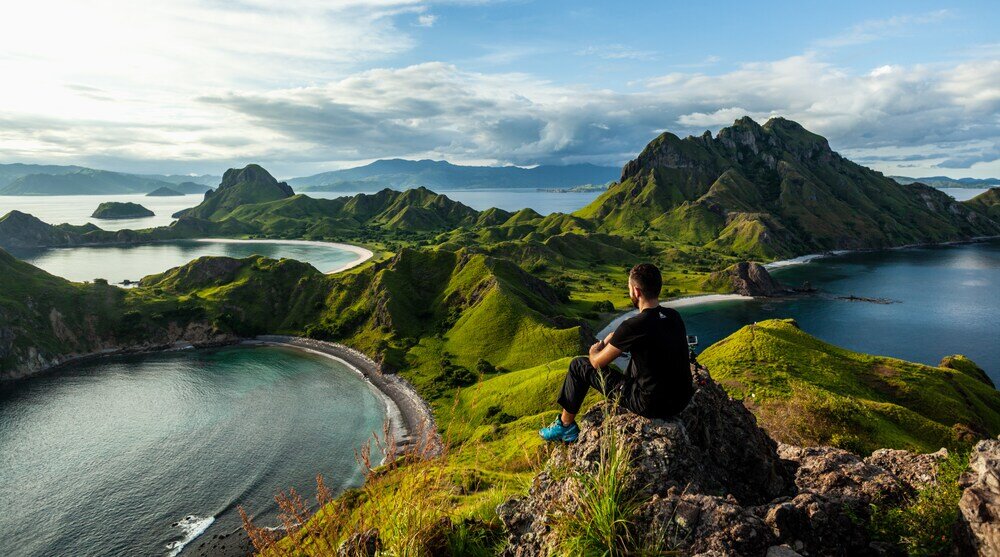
[710, 482]
[980, 502]
[752, 279]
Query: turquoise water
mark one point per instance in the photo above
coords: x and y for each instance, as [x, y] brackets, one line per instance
[946, 302]
[117, 263]
[105, 458]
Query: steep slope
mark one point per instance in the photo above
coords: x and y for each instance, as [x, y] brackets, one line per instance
[808, 392]
[988, 203]
[424, 305]
[404, 174]
[85, 181]
[774, 190]
[45, 319]
[244, 186]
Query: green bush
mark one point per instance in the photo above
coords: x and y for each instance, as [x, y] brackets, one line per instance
[924, 525]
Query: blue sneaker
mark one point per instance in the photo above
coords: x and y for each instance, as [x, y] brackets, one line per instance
[559, 432]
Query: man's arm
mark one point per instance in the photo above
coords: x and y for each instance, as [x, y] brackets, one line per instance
[602, 353]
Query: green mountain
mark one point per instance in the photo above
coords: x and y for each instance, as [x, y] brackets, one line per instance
[164, 192]
[946, 182]
[987, 202]
[120, 210]
[404, 174]
[248, 185]
[807, 392]
[83, 181]
[773, 191]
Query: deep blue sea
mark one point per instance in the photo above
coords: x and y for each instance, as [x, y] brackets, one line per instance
[136, 455]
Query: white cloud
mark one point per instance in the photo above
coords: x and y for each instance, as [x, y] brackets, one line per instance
[877, 29]
[617, 52]
[426, 20]
[197, 82]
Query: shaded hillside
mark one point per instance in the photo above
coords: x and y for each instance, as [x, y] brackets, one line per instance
[423, 306]
[404, 174]
[774, 190]
[808, 392]
[119, 210]
[250, 184]
[84, 181]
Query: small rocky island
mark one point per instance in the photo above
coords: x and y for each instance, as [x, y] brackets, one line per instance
[164, 192]
[120, 210]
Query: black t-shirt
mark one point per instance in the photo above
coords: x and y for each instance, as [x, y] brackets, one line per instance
[659, 369]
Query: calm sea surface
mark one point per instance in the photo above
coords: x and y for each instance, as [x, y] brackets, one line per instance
[117, 263]
[137, 455]
[945, 301]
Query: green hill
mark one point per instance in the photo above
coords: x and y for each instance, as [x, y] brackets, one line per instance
[244, 186]
[119, 210]
[808, 392]
[987, 202]
[772, 191]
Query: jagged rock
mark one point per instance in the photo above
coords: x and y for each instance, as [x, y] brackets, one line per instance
[695, 473]
[361, 544]
[747, 279]
[915, 470]
[840, 475]
[980, 502]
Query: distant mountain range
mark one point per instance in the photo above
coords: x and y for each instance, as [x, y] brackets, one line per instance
[946, 182]
[399, 174]
[38, 179]
[403, 174]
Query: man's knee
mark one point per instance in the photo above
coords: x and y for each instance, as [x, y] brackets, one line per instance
[580, 366]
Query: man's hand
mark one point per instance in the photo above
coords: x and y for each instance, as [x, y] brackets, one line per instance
[602, 354]
[596, 348]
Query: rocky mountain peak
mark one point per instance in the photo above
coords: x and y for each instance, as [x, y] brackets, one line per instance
[252, 174]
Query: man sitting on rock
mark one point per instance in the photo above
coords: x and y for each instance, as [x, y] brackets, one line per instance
[657, 383]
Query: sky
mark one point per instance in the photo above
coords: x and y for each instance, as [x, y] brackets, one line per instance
[303, 86]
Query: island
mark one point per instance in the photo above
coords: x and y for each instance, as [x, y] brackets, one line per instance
[164, 192]
[120, 210]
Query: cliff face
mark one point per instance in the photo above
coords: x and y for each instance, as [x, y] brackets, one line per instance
[240, 186]
[746, 279]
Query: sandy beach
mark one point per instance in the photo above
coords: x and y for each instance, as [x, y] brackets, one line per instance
[362, 253]
[411, 422]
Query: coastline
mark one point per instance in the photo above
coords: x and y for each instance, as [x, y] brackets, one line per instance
[363, 254]
[411, 422]
[833, 253]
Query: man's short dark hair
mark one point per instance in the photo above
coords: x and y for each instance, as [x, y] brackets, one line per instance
[647, 279]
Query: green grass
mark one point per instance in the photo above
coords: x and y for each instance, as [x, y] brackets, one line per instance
[806, 391]
[925, 524]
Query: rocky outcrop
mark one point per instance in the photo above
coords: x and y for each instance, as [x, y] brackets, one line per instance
[980, 502]
[711, 482]
[746, 278]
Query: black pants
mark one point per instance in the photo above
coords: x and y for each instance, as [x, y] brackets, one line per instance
[582, 376]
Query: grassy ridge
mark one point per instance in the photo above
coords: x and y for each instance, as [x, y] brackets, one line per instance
[809, 392]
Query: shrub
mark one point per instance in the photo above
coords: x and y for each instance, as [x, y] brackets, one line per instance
[604, 306]
[484, 368]
[602, 522]
[925, 524]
